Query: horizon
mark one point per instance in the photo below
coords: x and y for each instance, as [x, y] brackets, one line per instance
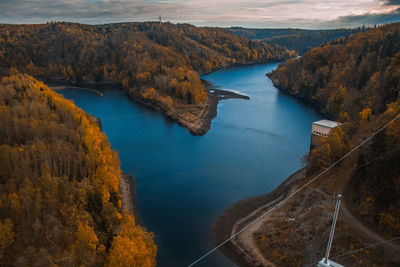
[296, 14]
[187, 23]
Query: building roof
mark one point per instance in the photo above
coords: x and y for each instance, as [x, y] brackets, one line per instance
[327, 123]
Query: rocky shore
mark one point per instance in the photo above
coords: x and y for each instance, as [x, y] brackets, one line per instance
[127, 188]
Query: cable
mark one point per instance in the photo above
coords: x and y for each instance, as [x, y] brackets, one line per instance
[376, 158]
[364, 248]
[294, 193]
[358, 250]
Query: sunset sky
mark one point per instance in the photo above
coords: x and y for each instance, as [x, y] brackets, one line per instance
[312, 14]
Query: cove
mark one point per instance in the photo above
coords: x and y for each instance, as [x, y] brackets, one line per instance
[184, 182]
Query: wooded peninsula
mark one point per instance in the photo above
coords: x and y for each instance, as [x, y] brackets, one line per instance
[60, 201]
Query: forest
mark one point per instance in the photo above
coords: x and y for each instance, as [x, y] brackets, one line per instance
[298, 40]
[356, 81]
[159, 62]
[60, 202]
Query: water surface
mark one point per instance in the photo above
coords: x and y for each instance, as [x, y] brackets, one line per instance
[184, 182]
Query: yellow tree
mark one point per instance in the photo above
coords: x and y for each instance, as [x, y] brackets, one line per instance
[86, 241]
[337, 144]
[394, 128]
[320, 156]
[365, 115]
[133, 246]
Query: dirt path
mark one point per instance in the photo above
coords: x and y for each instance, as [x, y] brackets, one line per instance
[242, 249]
[356, 224]
[245, 242]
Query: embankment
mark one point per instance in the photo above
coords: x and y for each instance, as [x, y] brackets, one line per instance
[245, 211]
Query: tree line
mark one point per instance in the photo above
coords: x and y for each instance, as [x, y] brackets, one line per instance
[298, 40]
[149, 60]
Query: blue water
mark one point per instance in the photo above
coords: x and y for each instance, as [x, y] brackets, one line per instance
[184, 182]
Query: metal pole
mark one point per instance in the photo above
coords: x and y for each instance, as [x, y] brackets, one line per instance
[328, 249]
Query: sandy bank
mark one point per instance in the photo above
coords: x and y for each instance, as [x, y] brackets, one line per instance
[62, 87]
[58, 83]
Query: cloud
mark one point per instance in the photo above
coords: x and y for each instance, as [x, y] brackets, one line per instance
[392, 2]
[87, 11]
[248, 13]
[370, 18]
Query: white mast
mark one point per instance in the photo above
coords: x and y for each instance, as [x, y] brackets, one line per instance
[325, 262]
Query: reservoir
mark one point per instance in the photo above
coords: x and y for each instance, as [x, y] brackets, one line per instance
[184, 182]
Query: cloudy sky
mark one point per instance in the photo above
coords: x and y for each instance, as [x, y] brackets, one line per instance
[313, 14]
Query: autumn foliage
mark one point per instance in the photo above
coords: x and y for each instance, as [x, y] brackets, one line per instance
[59, 184]
[137, 56]
[348, 75]
[356, 80]
[133, 246]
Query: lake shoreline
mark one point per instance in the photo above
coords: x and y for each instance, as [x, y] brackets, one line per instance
[62, 87]
[238, 64]
[127, 187]
[206, 112]
[245, 211]
[128, 191]
[318, 107]
[197, 124]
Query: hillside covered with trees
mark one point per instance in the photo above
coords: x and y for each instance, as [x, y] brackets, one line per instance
[347, 76]
[298, 40]
[60, 203]
[356, 80]
[156, 63]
